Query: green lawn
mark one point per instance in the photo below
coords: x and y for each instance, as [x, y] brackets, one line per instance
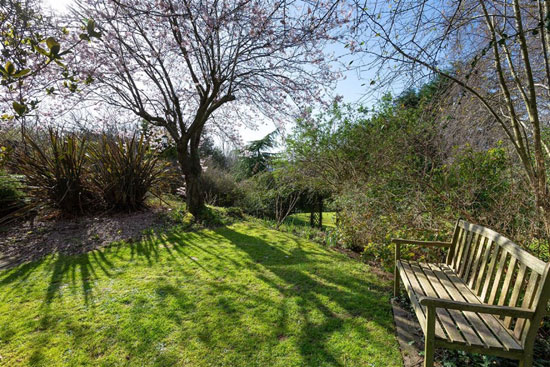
[242, 295]
[329, 219]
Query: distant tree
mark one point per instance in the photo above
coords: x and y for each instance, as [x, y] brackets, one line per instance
[176, 63]
[257, 156]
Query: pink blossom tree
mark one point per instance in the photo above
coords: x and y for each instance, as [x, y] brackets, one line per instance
[182, 65]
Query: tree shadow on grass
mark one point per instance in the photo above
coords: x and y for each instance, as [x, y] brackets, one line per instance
[327, 300]
[299, 273]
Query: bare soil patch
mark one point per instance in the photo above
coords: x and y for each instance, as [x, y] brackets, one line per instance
[20, 242]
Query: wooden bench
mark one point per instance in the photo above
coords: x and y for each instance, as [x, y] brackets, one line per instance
[488, 297]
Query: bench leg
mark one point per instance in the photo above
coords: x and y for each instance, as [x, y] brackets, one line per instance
[429, 342]
[396, 271]
[396, 282]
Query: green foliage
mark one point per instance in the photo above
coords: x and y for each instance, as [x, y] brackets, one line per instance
[124, 170]
[257, 156]
[54, 170]
[220, 187]
[258, 199]
[389, 174]
[272, 195]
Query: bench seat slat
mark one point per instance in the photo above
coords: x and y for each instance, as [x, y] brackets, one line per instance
[414, 291]
[468, 332]
[439, 280]
[443, 314]
[459, 294]
[497, 328]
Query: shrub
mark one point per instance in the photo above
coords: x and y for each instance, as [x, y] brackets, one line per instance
[124, 170]
[219, 187]
[54, 170]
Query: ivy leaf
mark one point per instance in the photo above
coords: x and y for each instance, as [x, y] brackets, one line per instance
[19, 108]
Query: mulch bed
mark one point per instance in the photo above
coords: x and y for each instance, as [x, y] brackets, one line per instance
[22, 242]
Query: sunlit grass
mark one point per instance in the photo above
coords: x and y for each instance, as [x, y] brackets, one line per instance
[241, 295]
[329, 219]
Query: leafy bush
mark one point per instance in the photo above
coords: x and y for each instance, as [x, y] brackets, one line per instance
[219, 187]
[124, 170]
[271, 195]
[54, 171]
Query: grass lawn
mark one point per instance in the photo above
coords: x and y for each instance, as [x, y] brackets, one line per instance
[242, 295]
[329, 219]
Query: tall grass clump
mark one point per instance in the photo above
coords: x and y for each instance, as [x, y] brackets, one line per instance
[53, 167]
[124, 170]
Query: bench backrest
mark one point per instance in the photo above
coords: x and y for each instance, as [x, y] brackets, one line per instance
[501, 273]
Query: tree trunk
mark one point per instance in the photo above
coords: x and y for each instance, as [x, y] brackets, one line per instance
[190, 164]
[195, 200]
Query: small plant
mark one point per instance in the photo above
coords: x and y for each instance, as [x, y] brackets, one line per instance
[124, 170]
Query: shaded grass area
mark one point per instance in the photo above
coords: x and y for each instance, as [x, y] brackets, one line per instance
[241, 295]
[329, 219]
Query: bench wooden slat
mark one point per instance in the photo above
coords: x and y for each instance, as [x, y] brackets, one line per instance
[482, 269]
[491, 271]
[521, 255]
[527, 303]
[520, 279]
[507, 282]
[414, 290]
[460, 247]
[443, 315]
[476, 243]
[458, 294]
[496, 282]
[475, 265]
[458, 317]
[497, 328]
[464, 257]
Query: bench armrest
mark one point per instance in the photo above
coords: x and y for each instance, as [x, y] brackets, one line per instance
[402, 241]
[523, 313]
